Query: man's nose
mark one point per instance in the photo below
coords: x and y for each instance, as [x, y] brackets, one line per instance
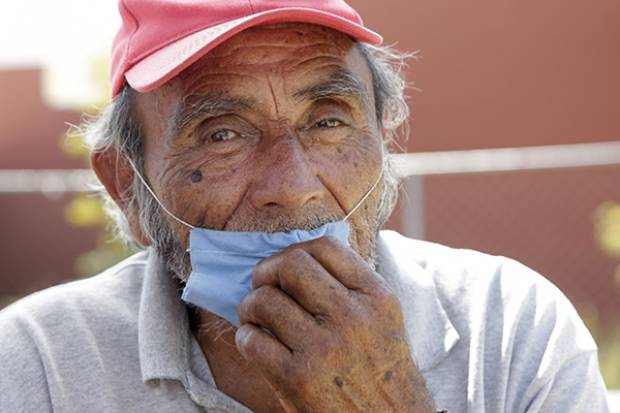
[288, 179]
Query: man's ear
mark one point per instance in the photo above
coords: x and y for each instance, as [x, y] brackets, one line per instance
[116, 175]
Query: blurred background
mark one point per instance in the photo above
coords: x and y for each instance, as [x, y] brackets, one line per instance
[514, 146]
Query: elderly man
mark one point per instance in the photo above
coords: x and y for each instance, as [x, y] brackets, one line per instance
[244, 150]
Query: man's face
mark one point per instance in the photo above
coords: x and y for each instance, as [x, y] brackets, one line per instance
[273, 130]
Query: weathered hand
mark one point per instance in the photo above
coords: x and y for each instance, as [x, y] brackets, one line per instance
[328, 333]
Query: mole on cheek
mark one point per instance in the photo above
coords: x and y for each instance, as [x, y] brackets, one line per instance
[196, 176]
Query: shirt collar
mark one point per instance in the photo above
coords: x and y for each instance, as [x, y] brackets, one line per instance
[163, 332]
[430, 332]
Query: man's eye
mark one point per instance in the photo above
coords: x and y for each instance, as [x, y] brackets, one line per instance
[223, 135]
[329, 123]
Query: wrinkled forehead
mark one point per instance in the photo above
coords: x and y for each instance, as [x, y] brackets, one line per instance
[275, 44]
[295, 51]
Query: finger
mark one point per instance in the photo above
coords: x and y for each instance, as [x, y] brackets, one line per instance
[303, 278]
[271, 308]
[264, 350]
[344, 264]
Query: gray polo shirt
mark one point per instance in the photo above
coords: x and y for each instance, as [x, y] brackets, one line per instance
[488, 334]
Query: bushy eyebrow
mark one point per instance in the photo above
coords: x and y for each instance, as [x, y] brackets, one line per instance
[338, 83]
[199, 106]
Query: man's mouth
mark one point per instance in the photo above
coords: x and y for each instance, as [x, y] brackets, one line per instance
[269, 222]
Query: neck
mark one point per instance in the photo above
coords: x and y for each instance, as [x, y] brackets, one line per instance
[233, 375]
[211, 330]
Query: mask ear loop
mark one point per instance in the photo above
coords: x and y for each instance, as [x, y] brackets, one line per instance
[148, 188]
[366, 195]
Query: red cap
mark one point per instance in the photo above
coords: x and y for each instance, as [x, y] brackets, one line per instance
[160, 38]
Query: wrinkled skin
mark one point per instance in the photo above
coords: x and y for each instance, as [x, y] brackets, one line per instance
[321, 331]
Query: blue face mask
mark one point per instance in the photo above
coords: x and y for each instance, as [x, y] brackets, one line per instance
[222, 261]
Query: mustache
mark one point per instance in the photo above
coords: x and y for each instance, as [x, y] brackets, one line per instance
[178, 260]
[281, 223]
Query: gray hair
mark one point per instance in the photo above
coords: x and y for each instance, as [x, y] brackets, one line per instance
[117, 128]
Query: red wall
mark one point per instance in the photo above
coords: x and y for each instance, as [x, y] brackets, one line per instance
[507, 73]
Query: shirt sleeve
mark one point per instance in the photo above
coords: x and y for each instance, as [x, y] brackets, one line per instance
[576, 387]
[23, 384]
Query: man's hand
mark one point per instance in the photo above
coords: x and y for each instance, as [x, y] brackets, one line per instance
[328, 333]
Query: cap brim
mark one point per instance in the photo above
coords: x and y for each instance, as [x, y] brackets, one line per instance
[167, 62]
